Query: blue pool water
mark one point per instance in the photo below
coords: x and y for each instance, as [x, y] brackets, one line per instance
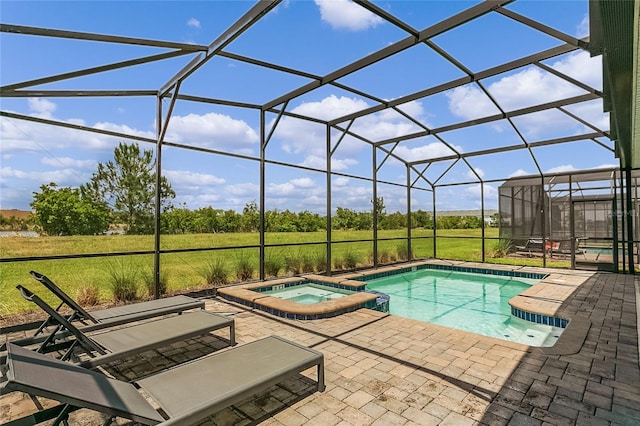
[477, 303]
[599, 250]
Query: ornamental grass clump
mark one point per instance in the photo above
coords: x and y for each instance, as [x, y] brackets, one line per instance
[351, 259]
[320, 261]
[273, 263]
[501, 248]
[149, 280]
[244, 268]
[123, 281]
[403, 251]
[307, 263]
[215, 272]
[88, 295]
[293, 263]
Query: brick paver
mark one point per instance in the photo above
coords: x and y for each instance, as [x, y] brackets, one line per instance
[386, 370]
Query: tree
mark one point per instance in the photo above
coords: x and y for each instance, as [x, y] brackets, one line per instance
[344, 219]
[379, 209]
[178, 221]
[421, 219]
[128, 183]
[64, 211]
[250, 217]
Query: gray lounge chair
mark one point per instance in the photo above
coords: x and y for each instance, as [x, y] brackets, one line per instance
[532, 245]
[185, 394]
[114, 344]
[117, 315]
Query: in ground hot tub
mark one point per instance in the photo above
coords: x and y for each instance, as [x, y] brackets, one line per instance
[310, 297]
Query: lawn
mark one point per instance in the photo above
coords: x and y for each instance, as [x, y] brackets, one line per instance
[187, 270]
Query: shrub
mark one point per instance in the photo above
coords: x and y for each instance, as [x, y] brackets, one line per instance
[320, 261]
[338, 263]
[293, 263]
[351, 260]
[149, 280]
[501, 248]
[307, 263]
[403, 251]
[273, 263]
[123, 281]
[88, 295]
[244, 268]
[384, 257]
[215, 272]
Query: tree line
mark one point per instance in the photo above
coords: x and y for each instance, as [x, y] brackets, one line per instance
[122, 192]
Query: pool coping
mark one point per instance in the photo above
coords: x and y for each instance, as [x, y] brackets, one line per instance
[541, 303]
[248, 295]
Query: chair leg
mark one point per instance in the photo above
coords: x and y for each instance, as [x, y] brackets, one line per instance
[63, 416]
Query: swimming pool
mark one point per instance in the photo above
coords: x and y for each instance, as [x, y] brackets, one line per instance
[308, 293]
[599, 251]
[473, 302]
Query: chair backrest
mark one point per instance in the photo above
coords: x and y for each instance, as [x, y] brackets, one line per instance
[41, 375]
[82, 340]
[79, 311]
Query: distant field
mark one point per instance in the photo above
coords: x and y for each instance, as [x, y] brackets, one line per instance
[185, 269]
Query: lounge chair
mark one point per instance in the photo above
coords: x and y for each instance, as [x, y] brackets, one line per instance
[117, 315]
[185, 394]
[114, 344]
[567, 249]
[532, 245]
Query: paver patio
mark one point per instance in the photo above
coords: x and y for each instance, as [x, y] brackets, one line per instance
[387, 370]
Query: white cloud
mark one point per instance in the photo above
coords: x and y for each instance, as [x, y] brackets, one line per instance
[338, 165]
[533, 86]
[478, 171]
[41, 107]
[561, 169]
[472, 196]
[431, 150]
[530, 86]
[314, 162]
[193, 22]
[344, 14]
[591, 112]
[69, 162]
[303, 183]
[384, 125]
[304, 137]
[582, 30]
[582, 67]
[331, 107]
[243, 189]
[186, 178]
[22, 135]
[212, 130]
[295, 188]
[470, 102]
[519, 172]
[62, 177]
[340, 181]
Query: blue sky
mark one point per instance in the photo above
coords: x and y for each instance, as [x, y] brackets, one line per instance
[316, 37]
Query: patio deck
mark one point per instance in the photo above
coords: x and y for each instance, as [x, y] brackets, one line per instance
[387, 370]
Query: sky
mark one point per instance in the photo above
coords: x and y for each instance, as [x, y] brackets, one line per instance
[312, 37]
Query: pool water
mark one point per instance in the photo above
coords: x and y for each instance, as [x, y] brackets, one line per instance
[599, 250]
[308, 293]
[477, 303]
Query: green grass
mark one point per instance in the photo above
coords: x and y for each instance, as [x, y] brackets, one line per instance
[184, 270]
